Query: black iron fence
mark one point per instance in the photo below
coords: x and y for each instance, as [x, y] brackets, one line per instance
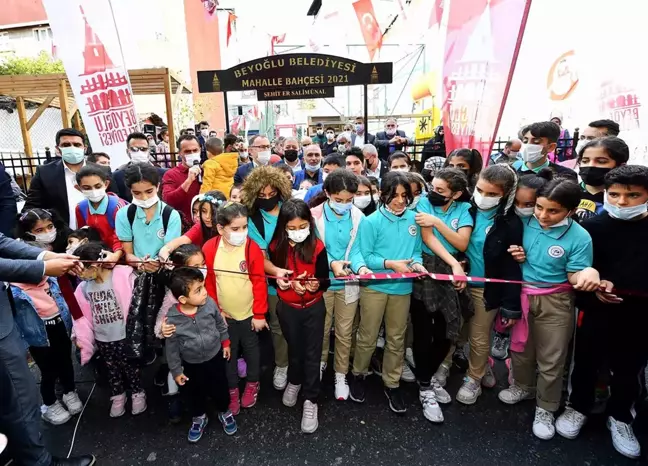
[23, 167]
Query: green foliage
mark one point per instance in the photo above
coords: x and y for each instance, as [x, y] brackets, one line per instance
[42, 64]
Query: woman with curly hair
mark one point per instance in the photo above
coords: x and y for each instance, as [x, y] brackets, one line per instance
[263, 193]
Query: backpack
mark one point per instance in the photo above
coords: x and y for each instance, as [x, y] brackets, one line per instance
[113, 205]
[166, 215]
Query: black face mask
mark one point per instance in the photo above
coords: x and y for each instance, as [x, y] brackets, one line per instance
[593, 176]
[267, 204]
[436, 199]
[290, 155]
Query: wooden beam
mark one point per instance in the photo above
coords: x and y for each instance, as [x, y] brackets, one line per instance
[65, 116]
[76, 121]
[22, 118]
[169, 112]
[39, 111]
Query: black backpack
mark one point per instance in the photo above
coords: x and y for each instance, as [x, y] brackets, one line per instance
[166, 215]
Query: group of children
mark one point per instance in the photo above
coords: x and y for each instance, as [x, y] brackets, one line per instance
[264, 259]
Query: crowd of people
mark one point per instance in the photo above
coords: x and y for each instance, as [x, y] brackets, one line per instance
[315, 236]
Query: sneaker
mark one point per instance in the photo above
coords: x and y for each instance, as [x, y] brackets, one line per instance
[139, 403]
[509, 366]
[235, 401]
[469, 391]
[228, 422]
[250, 394]
[459, 360]
[407, 375]
[118, 407]
[409, 357]
[357, 388]
[341, 387]
[500, 346]
[72, 403]
[396, 402]
[489, 380]
[197, 428]
[431, 408]
[280, 377]
[441, 375]
[514, 394]
[309, 417]
[290, 395]
[375, 367]
[3, 442]
[543, 424]
[623, 438]
[175, 410]
[442, 396]
[56, 414]
[570, 423]
[241, 368]
[322, 369]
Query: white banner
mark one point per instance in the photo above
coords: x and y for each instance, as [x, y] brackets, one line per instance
[88, 44]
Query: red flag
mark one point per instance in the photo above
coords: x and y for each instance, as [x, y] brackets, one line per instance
[275, 40]
[369, 25]
[482, 44]
[436, 13]
[231, 23]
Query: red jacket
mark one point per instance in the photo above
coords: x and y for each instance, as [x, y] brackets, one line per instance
[255, 263]
[101, 224]
[318, 268]
[172, 192]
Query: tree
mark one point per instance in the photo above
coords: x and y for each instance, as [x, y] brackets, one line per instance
[42, 64]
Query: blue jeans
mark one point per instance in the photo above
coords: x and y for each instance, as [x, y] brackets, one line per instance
[20, 417]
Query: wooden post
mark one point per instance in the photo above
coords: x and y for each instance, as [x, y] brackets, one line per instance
[76, 121]
[65, 116]
[169, 112]
[22, 118]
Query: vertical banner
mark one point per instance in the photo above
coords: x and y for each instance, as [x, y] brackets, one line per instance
[88, 44]
[482, 43]
[369, 25]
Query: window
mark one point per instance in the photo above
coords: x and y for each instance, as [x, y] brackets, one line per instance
[43, 34]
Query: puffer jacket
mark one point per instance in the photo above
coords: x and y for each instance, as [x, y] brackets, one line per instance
[218, 173]
[148, 294]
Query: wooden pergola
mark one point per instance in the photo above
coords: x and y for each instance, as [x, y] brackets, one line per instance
[53, 90]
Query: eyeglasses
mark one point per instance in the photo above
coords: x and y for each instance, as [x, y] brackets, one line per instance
[262, 147]
[140, 149]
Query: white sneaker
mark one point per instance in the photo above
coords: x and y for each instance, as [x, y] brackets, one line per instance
[72, 402]
[407, 375]
[409, 357]
[441, 394]
[280, 377]
[322, 369]
[290, 395]
[570, 423]
[543, 424]
[3, 442]
[514, 394]
[469, 391]
[56, 414]
[441, 375]
[309, 422]
[623, 438]
[341, 387]
[431, 409]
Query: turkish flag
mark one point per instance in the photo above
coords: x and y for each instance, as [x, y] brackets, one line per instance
[369, 25]
[274, 40]
[231, 22]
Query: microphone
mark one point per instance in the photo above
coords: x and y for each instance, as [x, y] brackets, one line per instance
[196, 162]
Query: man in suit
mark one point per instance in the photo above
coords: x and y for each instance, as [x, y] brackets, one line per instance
[361, 136]
[391, 140]
[374, 166]
[8, 208]
[20, 416]
[259, 151]
[54, 185]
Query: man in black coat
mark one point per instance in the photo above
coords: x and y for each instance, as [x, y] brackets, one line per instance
[137, 150]
[8, 208]
[361, 136]
[391, 140]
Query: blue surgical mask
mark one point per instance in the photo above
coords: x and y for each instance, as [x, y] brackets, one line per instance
[72, 155]
[414, 203]
[624, 213]
[340, 208]
[312, 168]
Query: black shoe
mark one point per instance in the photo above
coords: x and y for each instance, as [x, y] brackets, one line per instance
[161, 375]
[175, 410]
[357, 388]
[375, 366]
[396, 402]
[459, 360]
[85, 460]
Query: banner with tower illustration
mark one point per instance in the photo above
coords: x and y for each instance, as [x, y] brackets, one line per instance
[88, 43]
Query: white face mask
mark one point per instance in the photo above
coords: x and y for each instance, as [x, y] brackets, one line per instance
[362, 202]
[414, 203]
[45, 238]
[580, 145]
[485, 203]
[562, 223]
[513, 155]
[204, 133]
[524, 211]
[94, 195]
[324, 175]
[139, 157]
[237, 238]
[298, 236]
[263, 157]
[624, 213]
[146, 203]
[191, 159]
[531, 153]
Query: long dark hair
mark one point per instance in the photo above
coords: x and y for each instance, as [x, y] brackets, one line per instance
[475, 164]
[215, 199]
[337, 181]
[388, 185]
[371, 208]
[28, 219]
[290, 210]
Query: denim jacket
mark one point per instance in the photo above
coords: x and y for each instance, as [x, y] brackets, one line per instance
[29, 324]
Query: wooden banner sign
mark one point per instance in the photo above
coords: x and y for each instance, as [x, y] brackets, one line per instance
[295, 94]
[294, 71]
